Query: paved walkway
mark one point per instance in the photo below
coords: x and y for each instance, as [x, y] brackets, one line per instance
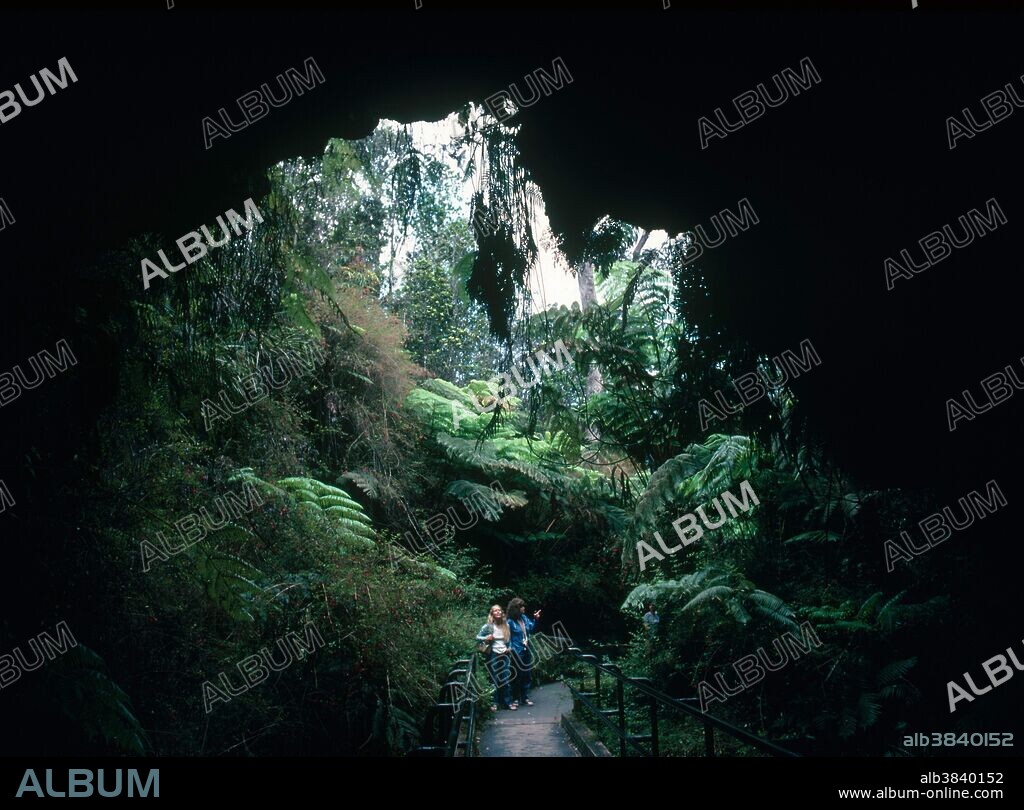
[531, 731]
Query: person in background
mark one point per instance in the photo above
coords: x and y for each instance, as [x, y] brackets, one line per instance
[521, 626]
[651, 619]
[495, 633]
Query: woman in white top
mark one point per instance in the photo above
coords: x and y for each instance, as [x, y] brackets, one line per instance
[497, 634]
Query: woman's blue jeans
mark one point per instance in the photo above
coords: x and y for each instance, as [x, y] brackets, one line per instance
[500, 674]
[522, 670]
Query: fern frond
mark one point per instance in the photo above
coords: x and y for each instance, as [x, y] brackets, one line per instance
[815, 536]
[367, 482]
[342, 500]
[348, 525]
[714, 592]
[852, 626]
[868, 709]
[867, 610]
[889, 615]
[770, 607]
[822, 614]
[246, 475]
[228, 581]
[729, 462]
[895, 671]
[340, 511]
[87, 695]
[663, 487]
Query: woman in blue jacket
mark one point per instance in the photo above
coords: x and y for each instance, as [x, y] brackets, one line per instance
[495, 633]
[521, 626]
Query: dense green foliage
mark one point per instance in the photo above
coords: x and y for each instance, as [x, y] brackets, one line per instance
[367, 268]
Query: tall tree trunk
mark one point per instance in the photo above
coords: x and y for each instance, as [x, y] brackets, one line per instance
[640, 245]
[595, 384]
[588, 299]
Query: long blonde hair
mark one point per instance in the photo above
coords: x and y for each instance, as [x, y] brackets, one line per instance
[503, 626]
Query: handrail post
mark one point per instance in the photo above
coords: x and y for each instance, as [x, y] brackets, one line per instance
[653, 713]
[654, 728]
[446, 714]
[620, 699]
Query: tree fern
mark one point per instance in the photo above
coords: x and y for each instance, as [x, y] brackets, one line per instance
[867, 610]
[229, 581]
[354, 529]
[449, 391]
[770, 607]
[818, 615]
[86, 694]
[663, 487]
[896, 671]
[814, 536]
[726, 460]
[869, 709]
[890, 615]
[719, 592]
[246, 475]
[473, 495]
[345, 513]
[713, 592]
[696, 476]
[367, 482]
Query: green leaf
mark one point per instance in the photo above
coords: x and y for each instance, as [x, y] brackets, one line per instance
[229, 582]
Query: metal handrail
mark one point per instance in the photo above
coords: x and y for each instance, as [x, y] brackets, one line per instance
[623, 738]
[455, 708]
[657, 697]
